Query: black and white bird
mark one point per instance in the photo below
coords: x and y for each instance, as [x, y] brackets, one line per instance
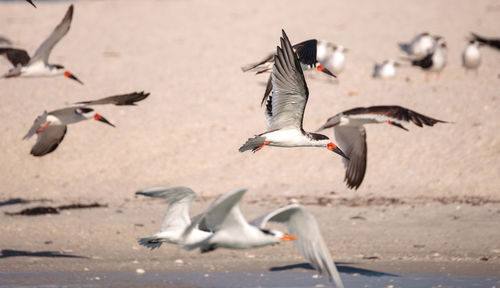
[349, 130]
[435, 60]
[312, 54]
[386, 69]
[492, 42]
[176, 218]
[51, 127]
[419, 46]
[285, 107]
[471, 57]
[38, 65]
[310, 243]
[229, 228]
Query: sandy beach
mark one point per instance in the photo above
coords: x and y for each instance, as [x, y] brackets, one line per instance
[430, 197]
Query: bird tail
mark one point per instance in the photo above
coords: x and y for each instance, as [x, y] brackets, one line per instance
[151, 242]
[253, 144]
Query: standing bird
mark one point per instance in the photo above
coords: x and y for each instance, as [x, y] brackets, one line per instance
[310, 243]
[51, 127]
[386, 69]
[176, 218]
[38, 65]
[311, 53]
[492, 42]
[419, 46]
[31, 2]
[435, 60]
[285, 107]
[350, 133]
[471, 57]
[230, 229]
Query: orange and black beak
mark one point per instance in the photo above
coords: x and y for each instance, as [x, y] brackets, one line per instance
[71, 76]
[288, 237]
[332, 147]
[98, 117]
[31, 2]
[324, 70]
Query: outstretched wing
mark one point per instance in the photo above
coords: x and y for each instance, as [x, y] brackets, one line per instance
[307, 51]
[290, 93]
[48, 140]
[125, 99]
[310, 242]
[39, 121]
[43, 52]
[352, 140]
[15, 56]
[394, 113]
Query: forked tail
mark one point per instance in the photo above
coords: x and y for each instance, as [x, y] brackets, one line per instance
[151, 242]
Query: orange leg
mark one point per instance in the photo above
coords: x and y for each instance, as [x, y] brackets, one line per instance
[43, 127]
[265, 143]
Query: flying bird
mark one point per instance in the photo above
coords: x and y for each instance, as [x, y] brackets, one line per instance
[471, 57]
[51, 127]
[176, 218]
[38, 65]
[492, 42]
[310, 243]
[312, 54]
[350, 133]
[229, 228]
[419, 46]
[285, 107]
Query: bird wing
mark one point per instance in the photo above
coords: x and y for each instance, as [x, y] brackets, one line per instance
[125, 99]
[269, 59]
[306, 51]
[393, 113]
[352, 140]
[290, 93]
[310, 242]
[39, 121]
[15, 56]
[48, 140]
[43, 52]
[223, 213]
[177, 212]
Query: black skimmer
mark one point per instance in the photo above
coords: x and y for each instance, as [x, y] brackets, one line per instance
[492, 42]
[435, 60]
[386, 69]
[311, 53]
[471, 57]
[38, 65]
[351, 135]
[51, 127]
[310, 243]
[230, 229]
[285, 107]
[31, 2]
[419, 46]
[176, 218]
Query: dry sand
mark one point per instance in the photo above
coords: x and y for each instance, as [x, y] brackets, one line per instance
[435, 191]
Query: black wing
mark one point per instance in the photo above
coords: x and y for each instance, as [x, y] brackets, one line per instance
[306, 51]
[125, 99]
[48, 140]
[397, 113]
[15, 56]
[495, 43]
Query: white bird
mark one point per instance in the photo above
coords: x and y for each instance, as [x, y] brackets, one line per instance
[471, 57]
[51, 127]
[38, 65]
[419, 46]
[176, 218]
[336, 61]
[386, 69]
[311, 54]
[350, 133]
[435, 60]
[310, 243]
[285, 107]
[230, 229]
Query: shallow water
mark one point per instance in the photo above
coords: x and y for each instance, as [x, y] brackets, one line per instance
[237, 279]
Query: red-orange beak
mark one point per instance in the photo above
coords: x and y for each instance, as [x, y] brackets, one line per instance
[324, 70]
[71, 76]
[288, 237]
[98, 117]
[332, 147]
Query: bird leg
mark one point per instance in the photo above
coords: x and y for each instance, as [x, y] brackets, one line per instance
[43, 127]
[258, 148]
